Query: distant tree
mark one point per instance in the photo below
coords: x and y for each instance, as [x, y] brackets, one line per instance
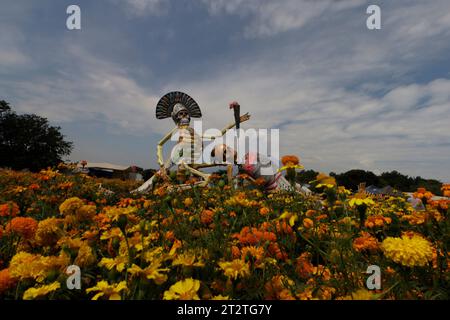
[28, 141]
[148, 173]
[397, 180]
[305, 177]
[351, 179]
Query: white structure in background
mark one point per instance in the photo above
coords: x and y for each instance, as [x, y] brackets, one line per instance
[109, 170]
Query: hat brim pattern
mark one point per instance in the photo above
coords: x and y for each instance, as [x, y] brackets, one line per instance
[167, 102]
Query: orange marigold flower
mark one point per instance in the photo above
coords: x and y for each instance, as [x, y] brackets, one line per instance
[310, 213]
[24, 226]
[377, 221]
[308, 223]
[254, 236]
[235, 252]
[6, 281]
[206, 217]
[417, 218]
[283, 227]
[9, 209]
[65, 185]
[365, 242]
[278, 288]
[260, 181]
[264, 211]
[303, 266]
[170, 235]
[423, 194]
[290, 160]
[256, 252]
[34, 186]
[275, 250]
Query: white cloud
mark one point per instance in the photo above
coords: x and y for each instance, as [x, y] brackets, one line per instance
[268, 18]
[12, 54]
[143, 7]
[97, 90]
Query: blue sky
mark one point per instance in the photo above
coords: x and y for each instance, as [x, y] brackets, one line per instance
[342, 96]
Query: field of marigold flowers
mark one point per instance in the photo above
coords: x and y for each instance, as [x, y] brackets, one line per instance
[215, 242]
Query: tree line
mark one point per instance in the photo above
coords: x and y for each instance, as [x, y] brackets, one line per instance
[352, 178]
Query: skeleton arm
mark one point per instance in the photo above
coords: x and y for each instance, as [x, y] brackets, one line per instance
[160, 146]
[243, 118]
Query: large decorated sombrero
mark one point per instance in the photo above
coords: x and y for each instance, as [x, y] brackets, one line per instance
[165, 105]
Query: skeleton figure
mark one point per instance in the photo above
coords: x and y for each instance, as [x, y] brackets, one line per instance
[181, 108]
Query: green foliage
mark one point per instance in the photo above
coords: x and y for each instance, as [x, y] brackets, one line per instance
[28, 141]
[351, 179]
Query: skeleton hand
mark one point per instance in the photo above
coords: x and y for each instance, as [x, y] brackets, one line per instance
[244, 117]
[162, 173]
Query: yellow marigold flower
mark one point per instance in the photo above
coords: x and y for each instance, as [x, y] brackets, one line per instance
[49, 231]
[70, 206]
[183, 290]
[356, 202]
[361, 294]
[111, 292]
[408, 251]
[115, 213]
[236, 268]
[188, 202]
[71, 243]
[85, 256]
[291, 166]
[292, 217]
[24, 265]
[33, 293]
[241, 200]
[324, 180]
[111, 233]
[220, 297]
[187, 260]
[30, 266]
[118, 263]
[152, 272]
[86, 212]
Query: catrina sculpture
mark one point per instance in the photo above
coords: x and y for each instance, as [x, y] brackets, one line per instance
[181, 108]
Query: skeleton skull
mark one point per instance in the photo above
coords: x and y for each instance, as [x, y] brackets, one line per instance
[180, 115]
